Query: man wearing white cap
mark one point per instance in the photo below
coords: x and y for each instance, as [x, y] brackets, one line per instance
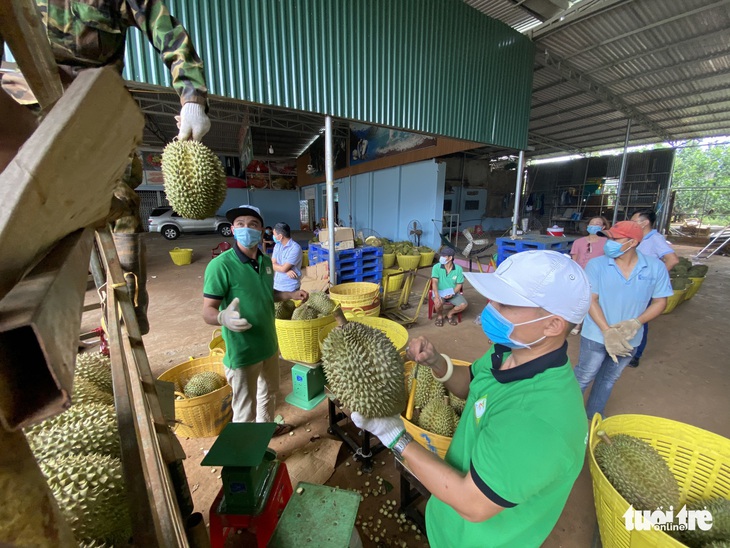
[520, 443]
[239, 295]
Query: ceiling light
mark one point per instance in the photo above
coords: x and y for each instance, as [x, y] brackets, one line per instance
[271, 149]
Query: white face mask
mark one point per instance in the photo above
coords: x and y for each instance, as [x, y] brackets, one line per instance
[443, 260]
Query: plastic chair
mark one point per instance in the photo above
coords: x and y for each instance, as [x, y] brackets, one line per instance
[431, 305]
[220, 248]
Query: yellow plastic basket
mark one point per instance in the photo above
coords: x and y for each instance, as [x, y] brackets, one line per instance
[355, 294]
[388, 260]
[426, 259]
[394, 331]
[181, 256]
[217, 345]
[372, 311]
[393, 279]
[299, 339]
[674, 300]
[699, 460]
[692, 290]
[206, 415]
[408, 262]
[433, 442]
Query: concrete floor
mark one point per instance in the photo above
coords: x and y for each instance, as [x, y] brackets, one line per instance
[684, 375]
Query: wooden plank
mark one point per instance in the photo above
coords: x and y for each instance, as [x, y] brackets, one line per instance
[22, 28]
[61, 180]
[39, 326]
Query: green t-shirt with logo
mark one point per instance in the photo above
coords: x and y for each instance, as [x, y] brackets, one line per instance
[447, 280]
[522, 437]
[232, 274]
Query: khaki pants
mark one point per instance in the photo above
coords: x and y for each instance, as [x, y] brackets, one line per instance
[254, 390]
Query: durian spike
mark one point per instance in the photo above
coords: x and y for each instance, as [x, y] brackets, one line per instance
[602, 434]
[412, 395]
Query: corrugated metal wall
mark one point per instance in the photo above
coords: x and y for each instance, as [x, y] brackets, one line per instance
[432, 66]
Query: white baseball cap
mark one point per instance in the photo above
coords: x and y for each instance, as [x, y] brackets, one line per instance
[538, 279]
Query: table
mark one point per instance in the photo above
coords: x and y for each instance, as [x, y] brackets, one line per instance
[411, 491]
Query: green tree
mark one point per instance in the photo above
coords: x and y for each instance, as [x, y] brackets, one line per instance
[702, 181]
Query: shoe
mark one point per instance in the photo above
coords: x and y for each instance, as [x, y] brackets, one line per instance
[282, 429]
[634, 362]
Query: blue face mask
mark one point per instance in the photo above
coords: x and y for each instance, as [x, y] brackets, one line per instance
[499, 329]
[247, 237]
[594, 229]
[277, 239]
[613, 249]
[443, 260]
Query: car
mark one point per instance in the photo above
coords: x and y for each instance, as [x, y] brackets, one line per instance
[170, 224]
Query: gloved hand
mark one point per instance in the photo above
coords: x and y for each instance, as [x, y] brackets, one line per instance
[231, 318]
[629, 328]
[387, 429]
[616, 344]
[193, 122]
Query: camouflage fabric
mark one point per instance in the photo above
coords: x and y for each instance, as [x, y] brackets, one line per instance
[92, 33]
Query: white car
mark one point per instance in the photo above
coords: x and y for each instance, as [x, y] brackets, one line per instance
[168, 223]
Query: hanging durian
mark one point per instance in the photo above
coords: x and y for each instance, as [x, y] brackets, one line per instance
[637, 472]
[195, 181]
[363, 369]
[203, 383]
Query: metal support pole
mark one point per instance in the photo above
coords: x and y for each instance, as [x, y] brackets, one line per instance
[329, 176]
[664, 220]
[622, 177]
[518, 192]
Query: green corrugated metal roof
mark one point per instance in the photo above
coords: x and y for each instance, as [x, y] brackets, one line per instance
[431, 66]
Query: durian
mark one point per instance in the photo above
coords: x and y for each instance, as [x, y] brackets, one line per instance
[427, 387]
[304, 312]
[86, 391]
[321, 303]
[698, 271]
[637, 472]
[203, 383]
[95, 543]
[83, 414]
[90, 493]
[364, 369]
[679, 283]
[438, 417]
[79, 435]
[284, 309]
[95, 367]
[720, 511]
[195, 182]
[457, 403]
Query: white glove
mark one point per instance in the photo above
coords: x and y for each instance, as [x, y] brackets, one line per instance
[231, 318]
[629, 328]
[387, 429]
[193, 122]
[616, 344]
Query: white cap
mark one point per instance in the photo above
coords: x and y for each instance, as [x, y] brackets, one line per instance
[538, 279]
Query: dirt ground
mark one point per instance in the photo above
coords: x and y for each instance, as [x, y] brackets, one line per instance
[684, 376]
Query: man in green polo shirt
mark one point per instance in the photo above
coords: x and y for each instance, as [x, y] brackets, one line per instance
[521, 440]
[239, 295]
[447, 280]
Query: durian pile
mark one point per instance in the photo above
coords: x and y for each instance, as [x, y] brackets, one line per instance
[436, 409]
[364, 369]
[203, 383]
[406, 248]
[79, 453]
[317, 305]
[195, 181]
[682, 271]
[642, 477]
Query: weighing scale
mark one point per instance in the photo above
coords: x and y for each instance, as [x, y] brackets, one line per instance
[307, 386]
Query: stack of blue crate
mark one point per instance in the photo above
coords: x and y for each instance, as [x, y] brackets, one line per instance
[361, 264]
[508, 246]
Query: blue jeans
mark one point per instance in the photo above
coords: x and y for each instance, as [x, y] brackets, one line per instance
[642, 346]
[594, 364]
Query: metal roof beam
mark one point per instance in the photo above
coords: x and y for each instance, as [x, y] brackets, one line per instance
[694, 80]
[581, 11]
[537, 138]
[584, 82]
[672, 68]
[692, 93]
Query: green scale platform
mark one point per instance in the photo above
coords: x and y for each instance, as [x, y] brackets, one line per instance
[248, 466]
[307, 386]
[319, 516]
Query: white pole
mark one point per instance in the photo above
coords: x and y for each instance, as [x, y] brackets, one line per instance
[622, 177]
[518, 193]
[329, 177]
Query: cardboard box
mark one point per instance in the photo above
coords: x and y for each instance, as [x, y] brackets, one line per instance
[316, 278]
[344, 238]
